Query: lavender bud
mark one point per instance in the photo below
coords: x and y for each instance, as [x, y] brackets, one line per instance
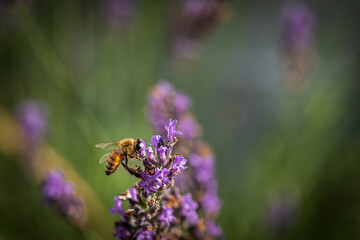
[151, 156]
[170, 128]
[142, 152]
[162, 157]
[156, 142]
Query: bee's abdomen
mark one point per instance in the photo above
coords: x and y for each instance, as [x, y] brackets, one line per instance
[112, 163]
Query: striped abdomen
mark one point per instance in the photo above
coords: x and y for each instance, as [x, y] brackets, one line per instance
[113, 161]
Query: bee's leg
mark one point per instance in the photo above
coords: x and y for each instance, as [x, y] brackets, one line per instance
[132, 171]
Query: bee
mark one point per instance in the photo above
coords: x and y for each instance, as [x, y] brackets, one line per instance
[121, 150]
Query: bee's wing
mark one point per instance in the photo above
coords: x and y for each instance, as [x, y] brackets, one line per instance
[105, 157]
[108, 145]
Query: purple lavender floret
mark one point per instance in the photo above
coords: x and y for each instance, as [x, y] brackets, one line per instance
[170, 128]
[147, 182]
[121, 232]
[213, 229]
[142, 151]
[118, 208]
[56, 187]
[144, 234]
[161, 177]
[298, 25]
[167, 216]
[156, 142]
[151, 155]
[162, 157]
[188, 209]
[32, 116]
[179, 164]
[133, 194]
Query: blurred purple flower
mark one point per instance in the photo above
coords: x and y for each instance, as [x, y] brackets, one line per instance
[58, 194]
[55, 187]
[189, 127]
[213, 229]
[167, 216]
[144, 234]
[186, 48]
[188, 209]
[120, 13]
[204, 168]
[298, 25]
[121, 232]
[211, 203]
[282, 211]
[181, 103]
[32, 116]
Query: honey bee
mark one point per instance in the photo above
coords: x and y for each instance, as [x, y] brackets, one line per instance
[121, 150]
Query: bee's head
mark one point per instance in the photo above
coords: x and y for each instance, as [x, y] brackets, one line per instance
[138, 141]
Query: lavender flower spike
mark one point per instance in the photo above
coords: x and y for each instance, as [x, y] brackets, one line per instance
[32, 116]
[55, 187]
[170, 128]
[59, 195]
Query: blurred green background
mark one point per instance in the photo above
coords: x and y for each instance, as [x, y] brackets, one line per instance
[297, 151]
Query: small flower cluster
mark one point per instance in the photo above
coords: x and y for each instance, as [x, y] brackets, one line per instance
[297, 33]
[33, 121]
[298, 25]
[60, 195]
[120, 13]
[193, 22]
[200, 178]
[156, 208]
[32, 116]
